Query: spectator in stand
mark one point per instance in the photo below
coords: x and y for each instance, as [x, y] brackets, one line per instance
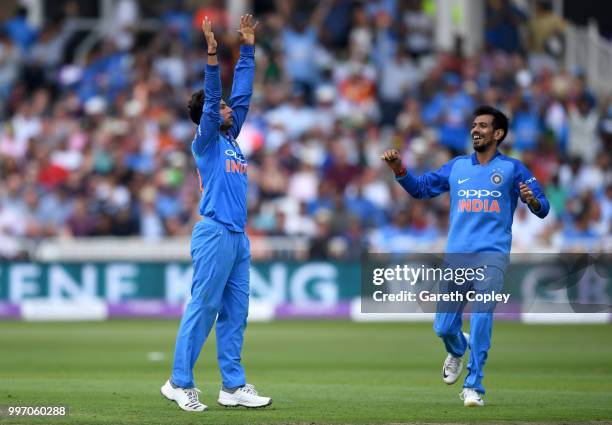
[604, 227]
[503, 25]
[10, 57]
[398, 79]
[583, 138]
[450, 112]
[579, 235]
[301, 46]
[418, 25]
[525, 126]
[294, 117]
[81, 222]
[20, 31]
[545, 29]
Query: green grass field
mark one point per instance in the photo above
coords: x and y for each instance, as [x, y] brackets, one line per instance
[317, 372]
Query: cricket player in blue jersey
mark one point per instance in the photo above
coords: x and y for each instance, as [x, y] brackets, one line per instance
[220, 248]
[484, 189]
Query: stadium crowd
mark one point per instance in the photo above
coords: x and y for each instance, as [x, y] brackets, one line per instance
[102, 147]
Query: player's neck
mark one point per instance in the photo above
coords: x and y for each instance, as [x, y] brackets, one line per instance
[486, 156]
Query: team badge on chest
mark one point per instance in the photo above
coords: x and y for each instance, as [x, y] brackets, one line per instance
[496, 177]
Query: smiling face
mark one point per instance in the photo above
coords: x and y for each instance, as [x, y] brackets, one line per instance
[484, 136]
[226, 115]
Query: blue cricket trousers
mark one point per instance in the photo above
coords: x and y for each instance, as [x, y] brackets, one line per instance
[448, 322]
[219, 290]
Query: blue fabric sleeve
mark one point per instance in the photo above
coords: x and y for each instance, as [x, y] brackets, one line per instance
[429, 184]
[523, 175]
[242, 87]
[208, 129]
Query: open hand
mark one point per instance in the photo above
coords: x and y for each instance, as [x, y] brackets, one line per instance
[209, 35]
[247, 29]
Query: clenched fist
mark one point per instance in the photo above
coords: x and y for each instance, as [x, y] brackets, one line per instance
[394, 160]
[526, 195]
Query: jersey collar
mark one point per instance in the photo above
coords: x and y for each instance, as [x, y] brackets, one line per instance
[230, 139]
[475, 159]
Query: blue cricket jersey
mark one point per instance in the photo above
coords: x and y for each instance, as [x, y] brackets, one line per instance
[483, 200]
[222, 168]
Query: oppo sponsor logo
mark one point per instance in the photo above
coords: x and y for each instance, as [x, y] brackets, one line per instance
[478, 193]
[236, 165]
[235, 155]
[472, 201]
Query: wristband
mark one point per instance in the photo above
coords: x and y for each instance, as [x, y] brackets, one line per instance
[402, 172]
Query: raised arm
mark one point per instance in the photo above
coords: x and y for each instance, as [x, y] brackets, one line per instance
[208, 129]
[319, 14]
[244, 73]
[426, 186]
[529, 190]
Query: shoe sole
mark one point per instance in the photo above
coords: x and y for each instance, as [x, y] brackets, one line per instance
[473, 404]
[244, 405]
[161, 391]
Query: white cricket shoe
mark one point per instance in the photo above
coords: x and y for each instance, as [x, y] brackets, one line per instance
[244, 396]
[451, 371]
[472, 398]
[186, 398]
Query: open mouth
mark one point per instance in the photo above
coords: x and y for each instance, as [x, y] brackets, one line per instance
[476, 138]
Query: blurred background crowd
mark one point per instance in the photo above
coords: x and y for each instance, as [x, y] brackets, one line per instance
[99, 145]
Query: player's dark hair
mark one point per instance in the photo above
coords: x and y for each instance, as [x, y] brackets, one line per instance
[195, 106]
[500, 120]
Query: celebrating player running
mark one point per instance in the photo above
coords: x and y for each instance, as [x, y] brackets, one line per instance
[484, 188]
[220, 248]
